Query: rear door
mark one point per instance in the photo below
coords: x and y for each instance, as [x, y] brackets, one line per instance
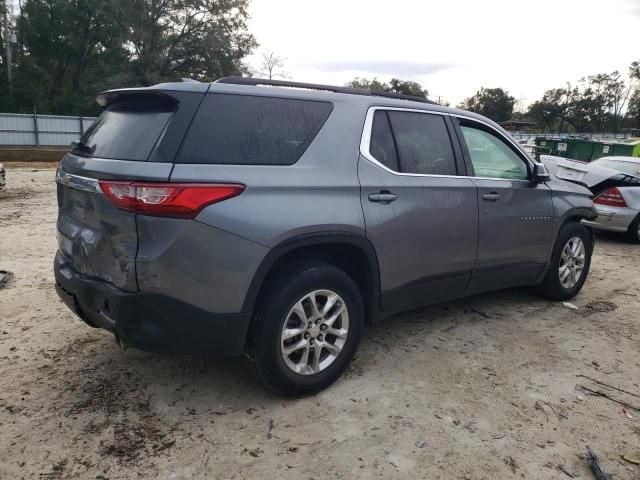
[421, 216]
[130, 140]
[515, 224]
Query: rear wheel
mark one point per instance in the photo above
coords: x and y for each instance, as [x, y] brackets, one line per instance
[570, 262]
[633, 233]
[307, 328]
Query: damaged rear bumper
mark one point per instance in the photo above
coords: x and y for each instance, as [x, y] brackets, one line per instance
[148, 321]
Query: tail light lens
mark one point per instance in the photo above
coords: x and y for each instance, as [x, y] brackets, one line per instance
[178, 200]
[611, 197]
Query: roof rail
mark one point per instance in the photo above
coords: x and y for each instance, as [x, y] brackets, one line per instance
[316, 86]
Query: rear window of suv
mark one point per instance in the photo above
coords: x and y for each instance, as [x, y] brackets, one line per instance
[127, 129]
[252, 130]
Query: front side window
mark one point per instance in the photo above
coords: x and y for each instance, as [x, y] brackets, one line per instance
[491, 157]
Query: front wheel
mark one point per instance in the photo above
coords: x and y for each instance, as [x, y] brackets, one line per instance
[307, 328]
[570, 263]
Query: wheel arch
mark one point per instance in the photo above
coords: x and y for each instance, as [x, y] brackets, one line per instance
[575, 214]
[348, 251]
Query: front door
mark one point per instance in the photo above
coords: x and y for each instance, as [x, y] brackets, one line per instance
[515, 223]
[420, 215]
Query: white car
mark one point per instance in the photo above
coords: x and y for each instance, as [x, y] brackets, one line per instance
[615, 184]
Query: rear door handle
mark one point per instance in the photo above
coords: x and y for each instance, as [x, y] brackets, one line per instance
[384, 197]
[491, 197]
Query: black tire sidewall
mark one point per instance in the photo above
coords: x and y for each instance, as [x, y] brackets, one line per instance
[552, 285]
[288, 289]
[633, 235]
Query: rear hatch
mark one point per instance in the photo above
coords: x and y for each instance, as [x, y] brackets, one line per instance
[134, 139]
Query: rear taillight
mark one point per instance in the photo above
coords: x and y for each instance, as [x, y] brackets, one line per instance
[179, 200]
[611, 197]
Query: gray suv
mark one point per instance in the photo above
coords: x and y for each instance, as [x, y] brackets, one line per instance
[275, 219]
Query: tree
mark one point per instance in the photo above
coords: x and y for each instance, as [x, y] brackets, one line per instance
[597, 103]
[70, 46]
[374, 85]
[552, 111]
[404, 87]
[633, 112]
[494, 103]
[69, 50]
[619, 94]
[7, 41]
[201, 39]
[271, 66]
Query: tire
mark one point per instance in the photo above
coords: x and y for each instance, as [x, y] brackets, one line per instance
[553, 286]
[633, 233]
[291, 288]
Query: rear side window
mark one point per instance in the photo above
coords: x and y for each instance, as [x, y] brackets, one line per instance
[127, 129]
[252, 130]
[423, 143]
[382, 147]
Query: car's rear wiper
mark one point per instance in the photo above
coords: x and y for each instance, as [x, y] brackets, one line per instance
[83, 147]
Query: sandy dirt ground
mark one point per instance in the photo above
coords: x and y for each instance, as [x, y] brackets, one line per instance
[482, 388]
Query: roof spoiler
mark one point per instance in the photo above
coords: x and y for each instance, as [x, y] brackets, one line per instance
[105, 99]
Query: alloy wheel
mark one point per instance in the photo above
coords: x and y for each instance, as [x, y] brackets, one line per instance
[314, 332]
[572, 261]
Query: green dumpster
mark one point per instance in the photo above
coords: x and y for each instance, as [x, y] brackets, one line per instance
[552, 146]
[581, 149]
[574, 148]
[602, 149]
[545, 145]
[561, 147]
[626, 149]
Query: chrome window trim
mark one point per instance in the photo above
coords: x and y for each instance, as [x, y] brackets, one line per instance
[78, 182]
[365, 142]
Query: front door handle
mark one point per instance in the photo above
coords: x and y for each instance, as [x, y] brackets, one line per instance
[385, 197]
[491, 197]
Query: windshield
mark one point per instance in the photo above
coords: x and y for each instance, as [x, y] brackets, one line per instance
[624, 166]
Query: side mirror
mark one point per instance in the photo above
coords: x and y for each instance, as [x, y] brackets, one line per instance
[540, 173]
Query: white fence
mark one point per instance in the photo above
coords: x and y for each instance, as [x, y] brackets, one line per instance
[35, 130]
[594, 136]
[18, 129]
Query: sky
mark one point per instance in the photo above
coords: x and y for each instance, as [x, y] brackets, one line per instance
[451, 47]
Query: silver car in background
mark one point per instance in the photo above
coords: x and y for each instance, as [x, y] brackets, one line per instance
[615, 184]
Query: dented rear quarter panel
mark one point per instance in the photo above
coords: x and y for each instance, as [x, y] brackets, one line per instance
[201, 265]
